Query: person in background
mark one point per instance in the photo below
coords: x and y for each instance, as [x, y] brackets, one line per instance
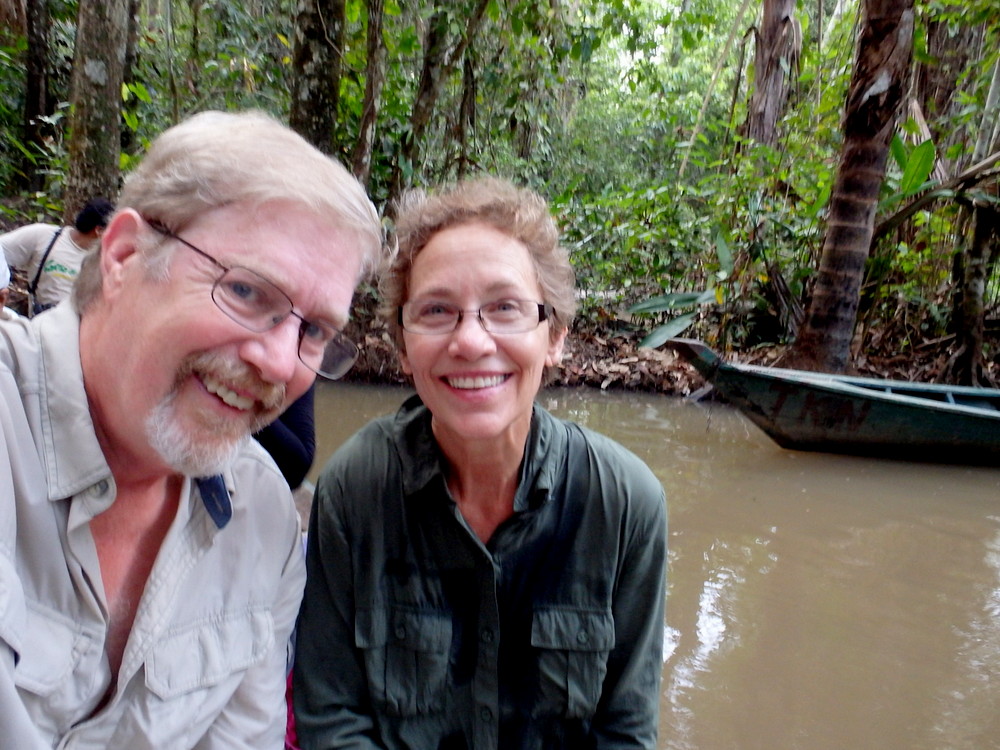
[4, 282]
[50, 256]
[291, 439]
[151, 563]
[481, 574]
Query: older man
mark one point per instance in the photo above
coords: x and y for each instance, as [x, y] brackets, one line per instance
[150, 558]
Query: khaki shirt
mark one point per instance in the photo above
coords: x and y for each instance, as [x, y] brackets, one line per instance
[207, 658]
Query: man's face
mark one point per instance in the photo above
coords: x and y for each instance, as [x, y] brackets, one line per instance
[197, 382]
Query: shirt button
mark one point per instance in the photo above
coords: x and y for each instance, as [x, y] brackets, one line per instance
[485, 714]
[487, 635]
[400, 632]
[581, 637]
[101, 487]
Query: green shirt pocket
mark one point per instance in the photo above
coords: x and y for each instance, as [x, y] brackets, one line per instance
[406, 653]
[572, 647]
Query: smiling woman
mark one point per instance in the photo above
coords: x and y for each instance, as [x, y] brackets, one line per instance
[530, 534]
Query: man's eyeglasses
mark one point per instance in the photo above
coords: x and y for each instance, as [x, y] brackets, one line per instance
[502, 316]
[258, 305]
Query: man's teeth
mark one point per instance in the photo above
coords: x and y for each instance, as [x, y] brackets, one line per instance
[477, 382]
[232, 398]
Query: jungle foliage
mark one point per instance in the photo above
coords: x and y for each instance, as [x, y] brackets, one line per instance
[633, 117]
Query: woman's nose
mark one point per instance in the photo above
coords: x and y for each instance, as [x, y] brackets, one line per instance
[470, 339]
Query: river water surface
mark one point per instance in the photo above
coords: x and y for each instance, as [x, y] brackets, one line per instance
[814, 601]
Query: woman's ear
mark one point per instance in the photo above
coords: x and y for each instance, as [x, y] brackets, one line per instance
[556, 343]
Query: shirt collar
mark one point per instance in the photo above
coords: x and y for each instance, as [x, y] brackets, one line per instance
[68, 441]
[541, 467]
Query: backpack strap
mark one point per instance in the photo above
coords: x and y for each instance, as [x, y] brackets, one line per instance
[41, 264]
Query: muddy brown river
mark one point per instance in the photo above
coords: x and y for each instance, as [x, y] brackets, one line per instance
[814, 601]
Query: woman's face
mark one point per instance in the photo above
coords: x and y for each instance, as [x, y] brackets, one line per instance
[479, 386]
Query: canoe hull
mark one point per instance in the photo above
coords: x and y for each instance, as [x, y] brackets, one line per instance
[859, 416]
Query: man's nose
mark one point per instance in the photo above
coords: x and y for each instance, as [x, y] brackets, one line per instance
[275, 353]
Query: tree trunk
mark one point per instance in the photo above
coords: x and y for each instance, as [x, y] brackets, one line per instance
[361, 160]
[316, 63]
[779, 44]
[966, 366]
[968, 308]
[439, 63]
[37, 104]
[876, 92]
[95, 116]
[466, 116]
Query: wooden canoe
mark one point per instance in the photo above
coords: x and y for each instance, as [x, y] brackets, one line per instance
[860, 416]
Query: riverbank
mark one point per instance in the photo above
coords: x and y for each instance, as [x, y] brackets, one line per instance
[590, 358]
[609, 357]
[614, 359]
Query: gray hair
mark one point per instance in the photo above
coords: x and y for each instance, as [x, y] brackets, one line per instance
[214, 159]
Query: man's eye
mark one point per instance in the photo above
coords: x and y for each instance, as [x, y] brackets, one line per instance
[243, 290]
[248, 295]
[314, 332]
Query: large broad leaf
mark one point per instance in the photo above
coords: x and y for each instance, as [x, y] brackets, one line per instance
[918, 167]
[724, 253]
[668, 330]
[898, 150]
[672, 301]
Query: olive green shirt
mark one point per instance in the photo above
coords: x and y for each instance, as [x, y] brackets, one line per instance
[414, 634]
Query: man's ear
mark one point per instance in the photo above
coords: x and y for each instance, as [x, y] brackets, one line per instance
[118, 248]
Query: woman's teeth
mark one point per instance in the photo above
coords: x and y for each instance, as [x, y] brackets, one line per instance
[477, 382]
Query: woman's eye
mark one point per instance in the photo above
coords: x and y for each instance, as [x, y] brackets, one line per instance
[433, 310]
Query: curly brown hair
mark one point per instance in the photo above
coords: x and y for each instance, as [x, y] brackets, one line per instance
[520, 213]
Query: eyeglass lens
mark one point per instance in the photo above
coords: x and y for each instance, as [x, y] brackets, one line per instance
[499, 316]
[258, 305]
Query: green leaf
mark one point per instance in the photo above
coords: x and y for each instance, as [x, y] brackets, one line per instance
[141, 92]
[668, 330]
[918, 167]
[723, 251]
[671, 301]
[898, 150]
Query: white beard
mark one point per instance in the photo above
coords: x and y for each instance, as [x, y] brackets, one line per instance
[192, 452]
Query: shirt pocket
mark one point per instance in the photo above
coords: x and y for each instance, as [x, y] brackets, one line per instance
[207, 653]
[406, 653]
[572, 647]
[57, 667]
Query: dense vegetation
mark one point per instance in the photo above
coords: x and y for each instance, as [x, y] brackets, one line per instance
[636, 118]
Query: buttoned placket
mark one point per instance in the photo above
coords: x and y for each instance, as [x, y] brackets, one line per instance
[486, 687]
[188, 539]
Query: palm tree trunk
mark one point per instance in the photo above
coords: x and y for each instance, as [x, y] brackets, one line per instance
[877, 87]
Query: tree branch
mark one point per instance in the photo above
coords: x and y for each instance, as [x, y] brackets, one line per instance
[959, 183]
